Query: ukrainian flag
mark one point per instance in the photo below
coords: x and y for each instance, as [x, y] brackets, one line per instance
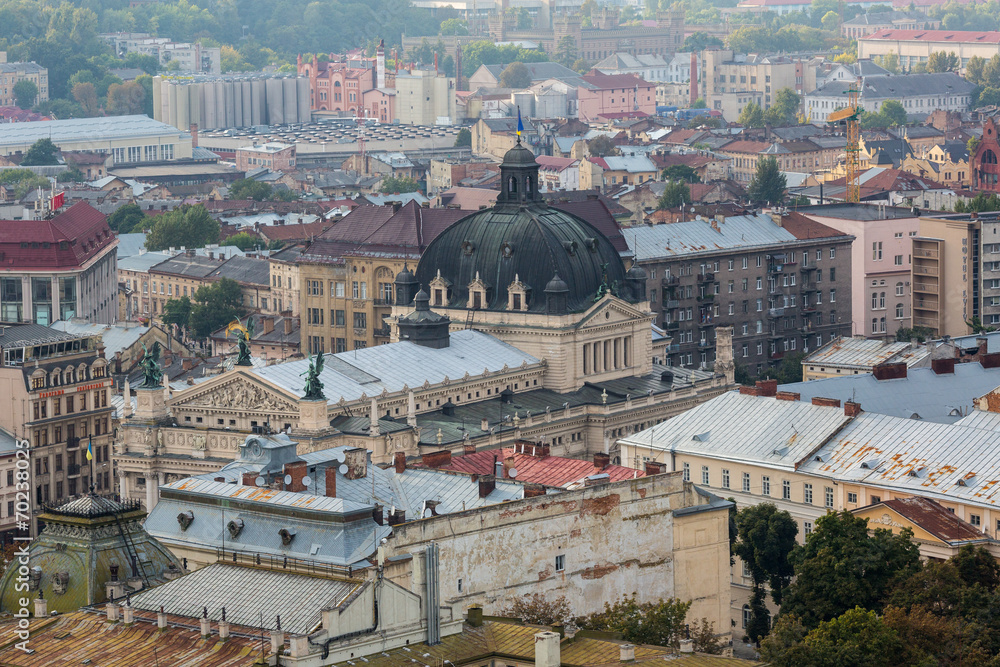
[90, 449]
[520, 125]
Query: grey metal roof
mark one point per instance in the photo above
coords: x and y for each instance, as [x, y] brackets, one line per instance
[246, 593]
[143, 262]
[735, 427]
[244, 270]
[116, 337]
[987, 421]
[390, 367]
[8, 443]
[863, 353]
[968, 342]
[25, 334]
[898, 87]
[130, 244]
[922, 394]
[914, 457]
[87, 129]
[686, 238]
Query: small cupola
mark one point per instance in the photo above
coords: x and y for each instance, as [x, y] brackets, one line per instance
[423, 326]
[406, 287]
[556, 293]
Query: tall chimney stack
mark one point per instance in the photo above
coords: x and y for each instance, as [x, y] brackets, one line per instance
[380, 64]
[694, 77]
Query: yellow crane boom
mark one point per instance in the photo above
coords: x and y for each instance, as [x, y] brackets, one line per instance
[848, 117]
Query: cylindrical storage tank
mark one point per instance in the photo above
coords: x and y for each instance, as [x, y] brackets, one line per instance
[237, 90]
[290, 100]
[305, 111]
[171, 118]
[208, 91]
[157, 99]
[220, 103]
[275, 110]
[258, 115]
[230, 103]
[194, 103]
[245, 96]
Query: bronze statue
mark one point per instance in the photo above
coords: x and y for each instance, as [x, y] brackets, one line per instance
[243, 336]
[152, 374]
[314, 388]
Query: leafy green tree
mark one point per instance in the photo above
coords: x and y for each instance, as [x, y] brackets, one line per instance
[85, 95]
[538, 609]
[682, 173]
[464, 137]
[893, 112]
[699, 104]
[675, 193]
[844, 565]
[972, 144]
[127, 218]
[699, 41]
[393, 185]
[752, 116]
[177, 311]
[974, 70]
[602, 146]
[889, 61]
[243, 241]
[768, 183]
[831, 21]
[858, 638]
[215, 306]
[978, 204]
[515, 75]
[766, 540]
[126, 99]
[785, 109]
[22, 181]
[919, 334]
[659, 623]
[25, 93]
[977, 566]
[788, 371]
[454, 27]
[189, 226]
[976, 325]
[247, 188]
[939, 61]
[42, 152]
[704, 121]
[71, 175]
[566, 53]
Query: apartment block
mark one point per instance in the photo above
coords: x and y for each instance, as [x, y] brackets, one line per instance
[11, 73]
[726, 72]
[783, 283]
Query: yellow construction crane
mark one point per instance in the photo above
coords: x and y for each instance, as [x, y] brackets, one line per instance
[849, 116]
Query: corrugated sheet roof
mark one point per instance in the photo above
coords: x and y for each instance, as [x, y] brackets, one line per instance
[987, 421]
[685, 238]
[738, 427]
[116, 337]
[935, 519]
[246, 592]
[922, 394]
[865, 353]
[557, 471]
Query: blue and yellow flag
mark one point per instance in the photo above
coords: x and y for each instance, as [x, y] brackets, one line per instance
[520, 125]
[90, 449]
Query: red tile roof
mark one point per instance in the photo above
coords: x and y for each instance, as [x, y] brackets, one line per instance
[68, 240]
[802, 227]
[555, 163]
[303, 232]
[744, 146]
[954, 36]
[607, 81]
[537, 468]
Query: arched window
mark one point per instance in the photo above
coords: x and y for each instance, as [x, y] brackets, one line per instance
[899, 289]
[512, 185]
[899, 311]
[874, 325]
[989, 157]
[881, 300]
[881, 323]
[874, 300]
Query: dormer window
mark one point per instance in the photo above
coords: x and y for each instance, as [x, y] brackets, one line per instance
[477, 293]
[439, 290]
[517, 295]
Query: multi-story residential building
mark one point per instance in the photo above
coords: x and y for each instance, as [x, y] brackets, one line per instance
[178, 276]
[346, 275]
[880, 262]
[722, 71]
[601, 172]
[11, 73]
[59, 268]
[273, 155]
[920, 94]
[613, 96]
[869, 23]
[8, 487]
[189, 57]
[558, 173]
[744, 155]
[652, 67]
[58, 398]
[809, 156]
[285, 287]
[134, 273]
[915, 46]
[782, 283]
[946, 163]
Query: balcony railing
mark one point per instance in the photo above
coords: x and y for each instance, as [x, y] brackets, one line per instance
[775, 312]
[706, 277]
[382, 331]
[72, 443]
[670, 281]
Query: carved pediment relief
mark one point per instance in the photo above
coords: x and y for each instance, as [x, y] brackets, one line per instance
[241, 394]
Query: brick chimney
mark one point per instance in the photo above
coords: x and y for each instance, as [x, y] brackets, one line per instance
[356, 459]
[331, 481]
[268, 323]
[767, 387]
[788, 396]
[982, 343]
[655, 468]
[852, 409]
[296, 470]
[889, 371]
[602, 460]
[533, 490]
[399, 462]
[990, 360]
[194, 134]
[468, 448]
[397, 517]
[749, 391]
[288, 326]
[436, 459]
[943, 366]
[487, 483]
[249, 479]
[827, 402]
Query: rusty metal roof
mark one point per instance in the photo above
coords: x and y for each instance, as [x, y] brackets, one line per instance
[935, 519]
[86, 638]
[863, 353]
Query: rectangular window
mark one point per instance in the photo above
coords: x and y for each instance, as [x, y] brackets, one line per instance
[687, 472]
[807, 527]
[852, 498]
[833, 253]
[807, 494]
[341, 289]
[765, 485]
[833, 296]
[828, 496]
[746, 482]
[897, 260]
[560, 563]
[704, 475]
[786, 490]
[360, 320]
[725, 478]
[974, 519]
[339, 319]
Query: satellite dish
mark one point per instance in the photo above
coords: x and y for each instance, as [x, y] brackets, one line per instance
[513, 473]
[339, 457]
[306, 481]
[288, 480]
[343, 469]
[260, 481]
[442, 509]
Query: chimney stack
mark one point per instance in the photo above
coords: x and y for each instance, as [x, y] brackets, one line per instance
[399, 462]
[826, 402]
[288, 326]
[356, 459]
[547, 650]
[655, 468]
[268, 322]
[161, 619]
[41, 605]
[767, 387]
[468, 448]
[249, 479]
[397, 517]
[436, 459]
[602, 460]
[331, 481]
[487, 483]
[626, 653]
[852, 409]
[943, 366]
[296, 470]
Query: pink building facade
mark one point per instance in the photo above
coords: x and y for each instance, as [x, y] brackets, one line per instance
[610, 96]
[274, 156]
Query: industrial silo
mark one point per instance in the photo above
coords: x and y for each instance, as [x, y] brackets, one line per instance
[525, 100]
[245, 102]
[275, 110]
[157, 99]
[258, 107]
[208, 92]
[220, 103]
[229, 103]
[171, 118]
[194, 104]
[290, 100]
[305, 108]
